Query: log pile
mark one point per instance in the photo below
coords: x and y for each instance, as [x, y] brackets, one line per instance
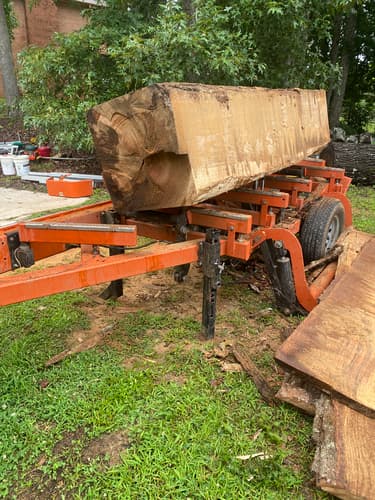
[331, 358]
[358, 160]
[178, 144]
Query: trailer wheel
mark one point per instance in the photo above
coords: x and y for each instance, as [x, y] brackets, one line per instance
[321, 227]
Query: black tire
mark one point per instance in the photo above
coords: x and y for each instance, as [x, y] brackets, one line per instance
[321, 227]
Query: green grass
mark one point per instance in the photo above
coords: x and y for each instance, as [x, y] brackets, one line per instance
[184, 436]
[363, 203]
[186, 421]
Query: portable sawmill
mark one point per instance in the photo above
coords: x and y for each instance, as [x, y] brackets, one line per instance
[206, 172]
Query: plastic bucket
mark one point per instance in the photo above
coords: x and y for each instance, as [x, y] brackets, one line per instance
[44, 151]
[7, 165]
[22, 164]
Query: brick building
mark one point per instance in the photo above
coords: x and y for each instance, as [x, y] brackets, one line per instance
[36, 26]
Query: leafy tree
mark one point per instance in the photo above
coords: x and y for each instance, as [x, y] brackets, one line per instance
[359, 99]
[133, 43]
[104, 60]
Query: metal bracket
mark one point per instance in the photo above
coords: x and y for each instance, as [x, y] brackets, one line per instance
[21, 253]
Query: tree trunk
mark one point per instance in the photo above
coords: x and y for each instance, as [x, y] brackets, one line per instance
[6, 61]
[337, 97]
[334, 53]
[358, 160]
[189, 8]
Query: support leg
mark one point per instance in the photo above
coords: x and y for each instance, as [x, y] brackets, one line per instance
[212, 269]
[280, 272]
[180, 272]
[115, 289]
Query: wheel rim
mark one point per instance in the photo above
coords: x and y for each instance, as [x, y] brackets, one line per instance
[333, 233]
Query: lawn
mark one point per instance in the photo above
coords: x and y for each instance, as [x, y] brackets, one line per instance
[148, 412]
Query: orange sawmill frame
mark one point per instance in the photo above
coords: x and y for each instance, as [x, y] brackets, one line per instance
[241, 231]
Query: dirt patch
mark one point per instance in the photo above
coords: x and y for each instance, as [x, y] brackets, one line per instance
[108, 447]
[174, 378]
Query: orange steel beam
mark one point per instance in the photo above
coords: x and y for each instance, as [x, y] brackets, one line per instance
[311, 162]
[94, 270]
[288, 183]
[257, 197]
[326, 172]
[162, 232]
[88, 234]
[87, 214]
[292, 245]
[211, 216]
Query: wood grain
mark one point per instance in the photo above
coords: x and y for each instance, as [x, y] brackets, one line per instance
[344, 462]
[352, 242]
[177, 144]
[335, 344]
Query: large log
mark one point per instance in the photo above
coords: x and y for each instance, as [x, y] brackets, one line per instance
[358, 160]
[177, 144]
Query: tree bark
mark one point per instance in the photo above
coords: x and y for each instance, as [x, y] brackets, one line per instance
[358, 160]
[189, 8]
[337, 97]
[6, 61]
[334, 53]
[344, 462]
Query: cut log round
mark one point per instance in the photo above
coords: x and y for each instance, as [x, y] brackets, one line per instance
[178, 144]
[358, 160]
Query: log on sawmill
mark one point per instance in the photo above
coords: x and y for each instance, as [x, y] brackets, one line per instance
[358, 160]
[177, 144]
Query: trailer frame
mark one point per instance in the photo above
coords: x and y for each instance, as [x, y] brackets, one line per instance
[267, 213]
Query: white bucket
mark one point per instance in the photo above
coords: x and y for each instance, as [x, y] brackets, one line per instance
[22, 164]
[7, 165]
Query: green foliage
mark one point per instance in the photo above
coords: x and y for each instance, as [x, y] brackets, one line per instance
[287, 35]
[130, 44]
[359, 103]
[62, 81]
[10, 17]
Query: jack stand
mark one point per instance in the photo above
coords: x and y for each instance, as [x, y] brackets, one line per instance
[212, 269]
[115, 289]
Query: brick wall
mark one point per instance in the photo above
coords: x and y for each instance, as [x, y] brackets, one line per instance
[36, 26]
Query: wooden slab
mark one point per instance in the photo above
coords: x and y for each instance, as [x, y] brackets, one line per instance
[335, 344]
[177, 144]
[352, 242]
[344, 461]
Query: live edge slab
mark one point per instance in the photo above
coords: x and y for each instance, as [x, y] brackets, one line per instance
[335, 345]
[178, 144]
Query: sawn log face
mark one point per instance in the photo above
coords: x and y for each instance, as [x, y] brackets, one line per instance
[177, 144]
[335, 344]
